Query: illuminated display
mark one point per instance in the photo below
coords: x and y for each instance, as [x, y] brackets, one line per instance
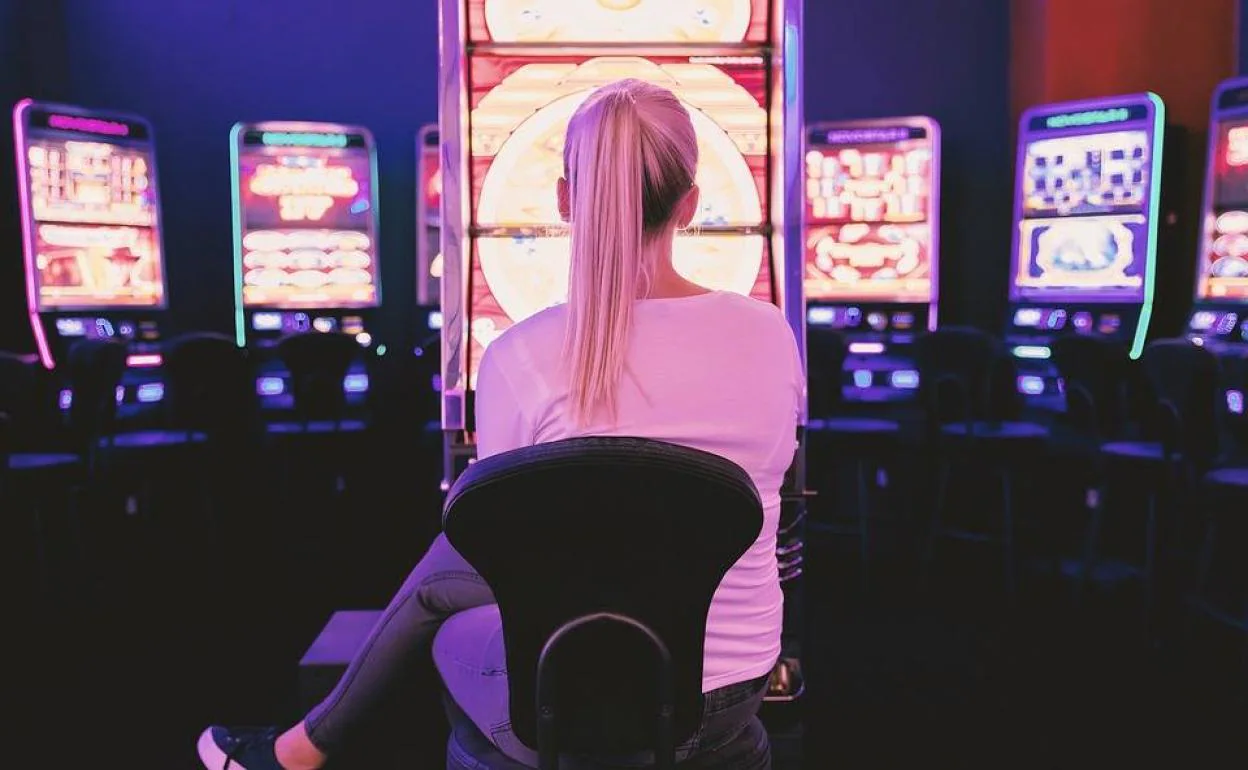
[429, 215]
[91, 198]
[520, 108]
[1224, 247]
[870, 200]
[1086, 201]
[617, 21]
[307, 224]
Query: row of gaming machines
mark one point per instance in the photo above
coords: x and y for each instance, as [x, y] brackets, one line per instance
[1088, 235]
[305, 240]
[1089, 232]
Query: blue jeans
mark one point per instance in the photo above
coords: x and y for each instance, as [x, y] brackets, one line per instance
[470, 657]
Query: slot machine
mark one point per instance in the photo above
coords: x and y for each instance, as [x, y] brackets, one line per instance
[305, 242]
[1087, 224]
[872, 249]
[428, 218]
[512, 74]
[1219, 318]
[428, 342]
[91, 239]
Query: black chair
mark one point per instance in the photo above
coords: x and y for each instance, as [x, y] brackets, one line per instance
[39, 476]
[603, 549]
[210, 388]
[1094, 381]
[1180, 441]
[971, 406]
[865, 443]
[318, 364]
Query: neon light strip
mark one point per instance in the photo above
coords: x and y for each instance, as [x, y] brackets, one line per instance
[144, 360]
[302, 139]
[1154, 215]
[1033, 352]
[240, 326]
[866, 348]
[28, 225]
[88, 125]
[1088, 118]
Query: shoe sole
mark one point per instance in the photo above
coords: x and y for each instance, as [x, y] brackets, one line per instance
[211, 754]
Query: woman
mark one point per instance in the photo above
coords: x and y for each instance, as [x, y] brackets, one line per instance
[637, 350]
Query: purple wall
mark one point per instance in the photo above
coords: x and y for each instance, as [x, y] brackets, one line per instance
[194, 68]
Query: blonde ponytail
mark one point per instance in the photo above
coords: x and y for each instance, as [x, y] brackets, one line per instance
[619, 160]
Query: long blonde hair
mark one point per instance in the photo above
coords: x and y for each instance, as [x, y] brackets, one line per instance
[630, 156]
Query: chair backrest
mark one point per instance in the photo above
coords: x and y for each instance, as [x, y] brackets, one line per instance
[318, 363]
[1094, 377]
[965, 374]
[1184, 380]
[638, 528]
[27, 396]
[826, 372]
[211, 386]
[94, 372]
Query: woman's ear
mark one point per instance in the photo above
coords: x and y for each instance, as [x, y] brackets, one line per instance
[565, 199]
[687, 209]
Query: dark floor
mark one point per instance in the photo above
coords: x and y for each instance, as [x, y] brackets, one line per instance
[168, 633]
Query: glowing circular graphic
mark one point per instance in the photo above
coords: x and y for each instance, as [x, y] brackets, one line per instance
[529, 274]
[586, 21]
[519, 188]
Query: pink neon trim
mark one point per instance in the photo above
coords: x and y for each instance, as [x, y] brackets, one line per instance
[28, 245]
[89, 125]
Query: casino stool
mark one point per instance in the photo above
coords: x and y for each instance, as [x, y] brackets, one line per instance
[1180, 441]
[1094, 376]
[134, 459]
[970, 408]
[866, 443]
[1227, 491]
[36, 473]
[318, 363]
[607, 562]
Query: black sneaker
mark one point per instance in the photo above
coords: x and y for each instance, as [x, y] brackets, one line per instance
[238, 748]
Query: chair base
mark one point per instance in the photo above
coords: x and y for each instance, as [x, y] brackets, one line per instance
[469, 749]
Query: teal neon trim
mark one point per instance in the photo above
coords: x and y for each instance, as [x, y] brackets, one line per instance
[1154, 214]
[240, 321]
[1088, 118]
[302, 139]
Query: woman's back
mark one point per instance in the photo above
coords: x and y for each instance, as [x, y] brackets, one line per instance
[717, 372]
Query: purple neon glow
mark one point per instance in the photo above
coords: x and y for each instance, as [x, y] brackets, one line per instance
[1037, 224]
[867, 135]
[89, 125]
[28, 246]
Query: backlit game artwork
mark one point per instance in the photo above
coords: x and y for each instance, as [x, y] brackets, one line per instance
[429, 215]
[1225, 249]
[618, 21]
[1084, 222]
[95, 225]
[519, 112]
[869, 196]
[307, 224]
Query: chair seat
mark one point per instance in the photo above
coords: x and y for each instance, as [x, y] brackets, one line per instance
[1233, 478]
[34, 462]
[854, 425]
[997, 431]
[152, 439]
[316, 426]
[1150, 451]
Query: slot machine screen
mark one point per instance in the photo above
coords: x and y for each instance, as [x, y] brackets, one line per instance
[1224, 246]
[870, 211]
[306, 219]
[520, 109]
[1084, 199]
[92, 211]
[429, 177]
